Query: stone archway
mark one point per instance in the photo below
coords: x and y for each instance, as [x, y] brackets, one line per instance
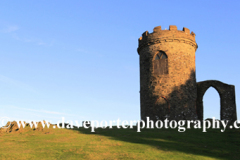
[161, 108]
[227, 99]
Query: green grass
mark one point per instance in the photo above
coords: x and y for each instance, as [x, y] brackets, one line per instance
[120, 144]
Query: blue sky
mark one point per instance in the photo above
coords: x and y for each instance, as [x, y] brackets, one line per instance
[78, 59]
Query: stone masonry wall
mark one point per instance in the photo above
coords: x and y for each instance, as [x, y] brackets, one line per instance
[227, 96]
[171, 95]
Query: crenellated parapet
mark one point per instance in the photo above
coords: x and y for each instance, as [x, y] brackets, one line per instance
[171, 35]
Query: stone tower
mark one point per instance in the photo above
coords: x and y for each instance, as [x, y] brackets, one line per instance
[168, 87]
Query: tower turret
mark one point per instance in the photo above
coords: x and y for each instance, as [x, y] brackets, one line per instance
[167, 74]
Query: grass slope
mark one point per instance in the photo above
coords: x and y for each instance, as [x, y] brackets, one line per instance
[119, 144]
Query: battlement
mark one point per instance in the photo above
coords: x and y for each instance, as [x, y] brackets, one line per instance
[171, 35]
[171, 32]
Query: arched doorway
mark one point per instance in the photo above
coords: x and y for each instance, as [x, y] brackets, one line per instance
[161, 108]
[227, 99]
[211, 104]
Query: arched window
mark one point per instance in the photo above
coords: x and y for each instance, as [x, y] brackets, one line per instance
[160, 63]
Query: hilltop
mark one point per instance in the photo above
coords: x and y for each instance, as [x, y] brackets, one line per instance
[49, 143]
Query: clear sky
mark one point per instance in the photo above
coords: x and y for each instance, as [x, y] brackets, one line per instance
[79, 60]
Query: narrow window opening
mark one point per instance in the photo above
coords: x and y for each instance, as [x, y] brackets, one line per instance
[157, 57]
[164, 56]
[160, 64]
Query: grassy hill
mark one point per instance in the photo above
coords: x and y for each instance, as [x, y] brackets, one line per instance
[119, 144]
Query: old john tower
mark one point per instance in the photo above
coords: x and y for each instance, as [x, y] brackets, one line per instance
[168, 87]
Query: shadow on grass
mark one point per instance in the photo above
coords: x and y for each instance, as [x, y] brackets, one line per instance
[213, 143]
[182, 106]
